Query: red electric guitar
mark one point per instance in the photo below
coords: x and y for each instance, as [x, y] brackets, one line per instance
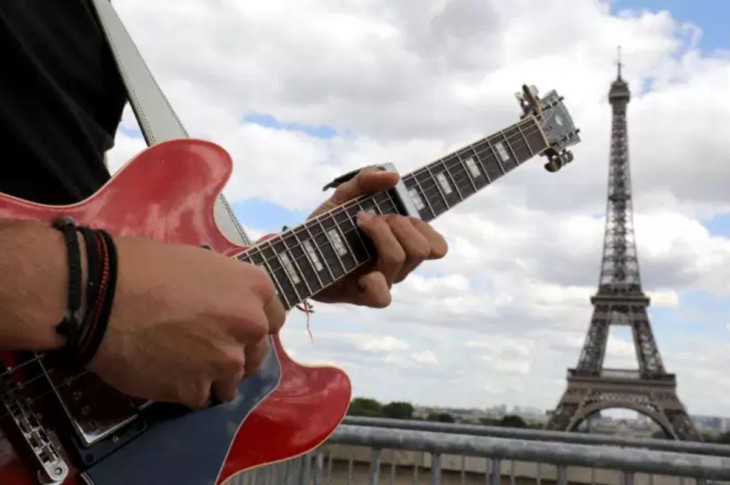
[66, 427]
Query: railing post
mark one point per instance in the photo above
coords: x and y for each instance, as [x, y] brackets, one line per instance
[318, 467]
[350, 466]
[374, 466]
[562, 475]
[495, 475]
[627, 478]
[435, 469]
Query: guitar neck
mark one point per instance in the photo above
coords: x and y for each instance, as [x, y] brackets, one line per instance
[303, 260]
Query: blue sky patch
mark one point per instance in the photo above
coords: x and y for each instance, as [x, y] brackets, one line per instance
[718, 225]
[130, 132]
[711, 16]
[268, 121]
[268, 216]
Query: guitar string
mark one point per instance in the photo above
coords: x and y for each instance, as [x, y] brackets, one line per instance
[535, 128]
[390, 202]
[267, 244]
[427, 190]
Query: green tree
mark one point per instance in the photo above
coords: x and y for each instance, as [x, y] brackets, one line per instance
[724, 438]
[488, 421]
[512, 421]
[441, 417]
[362, 406]
[398, 410]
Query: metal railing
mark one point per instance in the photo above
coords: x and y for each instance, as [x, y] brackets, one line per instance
[375, 455]
[543, 435]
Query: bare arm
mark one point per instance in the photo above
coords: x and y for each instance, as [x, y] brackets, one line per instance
[33, 285]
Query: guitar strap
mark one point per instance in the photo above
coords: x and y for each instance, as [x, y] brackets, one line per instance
[154, 114]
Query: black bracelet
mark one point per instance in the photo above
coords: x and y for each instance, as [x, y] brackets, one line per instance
[70, 324]
[93, 279]
[97, 320]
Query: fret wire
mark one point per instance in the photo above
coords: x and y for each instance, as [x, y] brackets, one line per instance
[343, 239]
[468, 172]
[327, 249]
[285, 272]
[334, 248]
[317, 249]
[363, 207]
[532, 153]
[496, 156]
[453, 179]
[359, 235]
[275, 278]
[432, 192]
[294, 260]
[384, 197]
[520, 144]
[376, 205]
[448, 168]
[316, 272]
[424, 197]
[349, 220]
[482, 163]
[509, 145]
[438, 185]
[536, 131]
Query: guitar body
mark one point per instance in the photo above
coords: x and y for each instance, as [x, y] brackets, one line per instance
[168, 193]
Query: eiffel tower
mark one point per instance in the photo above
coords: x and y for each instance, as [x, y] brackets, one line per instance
[650, 390]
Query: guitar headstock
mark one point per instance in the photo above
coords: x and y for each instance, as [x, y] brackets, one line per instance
[555, 122]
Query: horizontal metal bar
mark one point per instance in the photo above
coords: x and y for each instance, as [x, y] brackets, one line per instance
[542, 435]
[599, 456]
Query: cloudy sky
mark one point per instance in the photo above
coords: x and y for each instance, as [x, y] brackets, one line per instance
[300, 91]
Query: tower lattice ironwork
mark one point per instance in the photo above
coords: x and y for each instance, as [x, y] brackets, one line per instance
[620, 300]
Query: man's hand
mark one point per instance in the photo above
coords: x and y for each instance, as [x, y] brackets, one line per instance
[187, 324]
[402, 244]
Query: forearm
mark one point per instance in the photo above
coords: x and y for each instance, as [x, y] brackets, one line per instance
[33, 285]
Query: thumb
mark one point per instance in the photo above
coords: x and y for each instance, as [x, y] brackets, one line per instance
[368, 180]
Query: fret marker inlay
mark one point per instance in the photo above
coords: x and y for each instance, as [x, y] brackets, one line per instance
[337, 242]
[417, 200]
[502, 151]
[289, 267]
[443, 181]
[472, 166]
[313, 255]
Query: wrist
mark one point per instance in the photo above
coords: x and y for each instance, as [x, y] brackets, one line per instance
[34, 265]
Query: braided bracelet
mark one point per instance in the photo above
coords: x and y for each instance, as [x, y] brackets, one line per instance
[84, 335]
[69, 326]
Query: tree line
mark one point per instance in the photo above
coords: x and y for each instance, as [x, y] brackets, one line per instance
[361, 406]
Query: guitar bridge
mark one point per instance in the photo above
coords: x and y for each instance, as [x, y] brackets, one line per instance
[52, 468]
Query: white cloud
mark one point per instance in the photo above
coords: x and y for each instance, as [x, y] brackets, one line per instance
[382, 344]
[506, 312]
[424, 357]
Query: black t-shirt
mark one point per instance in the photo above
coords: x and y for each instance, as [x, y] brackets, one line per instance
[61, 100]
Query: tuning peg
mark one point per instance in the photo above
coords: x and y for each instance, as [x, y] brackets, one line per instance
[558, 160]
[567, 156]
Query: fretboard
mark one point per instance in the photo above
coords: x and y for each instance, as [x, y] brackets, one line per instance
[312, 256]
